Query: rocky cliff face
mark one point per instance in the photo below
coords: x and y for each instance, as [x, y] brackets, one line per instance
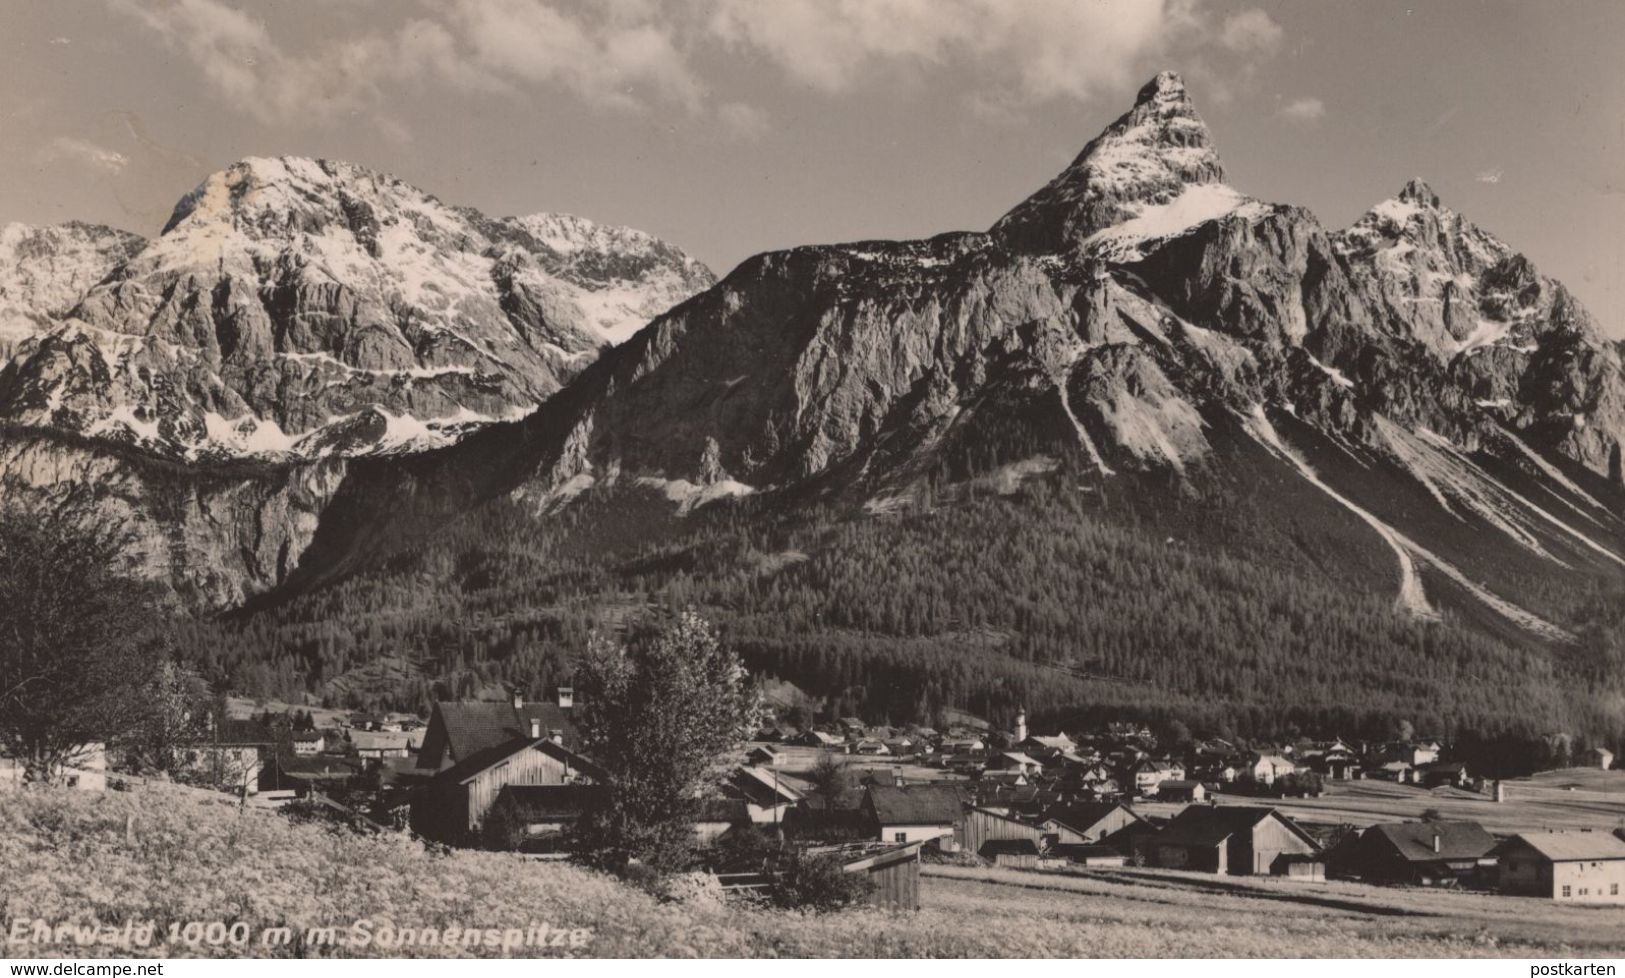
[1169, 332]
[296, 308]
[292, 314]
[45, 271]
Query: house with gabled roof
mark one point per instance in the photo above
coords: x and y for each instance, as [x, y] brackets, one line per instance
[1423, 853]
[1238, 840]
[767, 795]
[1569, 867]
[473, 750]
[1089, 823]
[915, 813]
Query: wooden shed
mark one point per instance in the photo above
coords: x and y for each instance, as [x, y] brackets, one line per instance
[894, 870]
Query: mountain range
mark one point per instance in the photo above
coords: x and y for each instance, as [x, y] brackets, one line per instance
[1405, 410]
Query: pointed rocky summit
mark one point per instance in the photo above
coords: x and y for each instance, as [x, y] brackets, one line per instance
[1149, 156]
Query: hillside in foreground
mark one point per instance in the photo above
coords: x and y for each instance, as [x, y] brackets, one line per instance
[168, 856]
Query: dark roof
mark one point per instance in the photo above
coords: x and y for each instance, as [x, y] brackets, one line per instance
[1076, 850]
[1414, 840]
[1009, 847]
[477, 726]
[552, 800]
[1082, 816]
[472, 765]
[1209, 825]
[921, 804]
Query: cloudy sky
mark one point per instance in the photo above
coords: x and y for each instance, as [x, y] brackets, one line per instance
[735, 126]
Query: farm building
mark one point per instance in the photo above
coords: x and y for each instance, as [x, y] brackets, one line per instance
[1013, 853]
[768, 798]
[1095, 857]
[979, 826]
[1575, 867]
[1597, 757]
[1186, 791]
[1426, 853]
[1090, 823]
[1238, 840]
[919, 813]
[452, 806]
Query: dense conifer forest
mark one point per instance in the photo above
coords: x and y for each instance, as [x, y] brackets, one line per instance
[982, 596]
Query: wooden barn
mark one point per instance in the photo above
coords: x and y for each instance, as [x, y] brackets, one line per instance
[979, 826]
[472, 751]
[1238, 840]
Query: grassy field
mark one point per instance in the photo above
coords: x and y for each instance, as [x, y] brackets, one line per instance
[1154, 913]
[1543, 802]
[172, 857]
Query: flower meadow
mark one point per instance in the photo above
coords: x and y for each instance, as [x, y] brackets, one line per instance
[171, 857]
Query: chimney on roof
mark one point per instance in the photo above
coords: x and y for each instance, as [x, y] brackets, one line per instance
[567, 697]
[519, 697]
[558, 737]
[1021, 724]
[1435, 841]
[535, 729]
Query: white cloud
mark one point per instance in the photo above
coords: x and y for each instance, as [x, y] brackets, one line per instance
[61, 41]
[1490, 176]
[1251, 31]
[1306, 109]
[1039, 49]
[86, 153]
[635, 54]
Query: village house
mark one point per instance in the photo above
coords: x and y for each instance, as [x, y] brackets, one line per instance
[86, 770]
[768, 797]
[1266, 768]
[763, 756]
[378, 745]
[1597, 757]
[1437, 773]
[1149, 774]
[870, 748]
[1014, 761]
[1090, 823]
[1572, 867]
[472, 750]
[819, 738]
[1237, 840]
[1185, 791]
[918, 813]
[1421, 853]
[307, 743]
[235, 755]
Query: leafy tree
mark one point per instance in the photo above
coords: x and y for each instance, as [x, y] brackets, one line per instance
[658, 714]
[78, 634]
[829, 780]
[818, 883]
[174, 717]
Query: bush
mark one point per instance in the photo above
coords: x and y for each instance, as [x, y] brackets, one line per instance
[820, 884]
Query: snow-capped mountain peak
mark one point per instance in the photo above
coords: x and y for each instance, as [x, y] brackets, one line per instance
[1149, 157]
